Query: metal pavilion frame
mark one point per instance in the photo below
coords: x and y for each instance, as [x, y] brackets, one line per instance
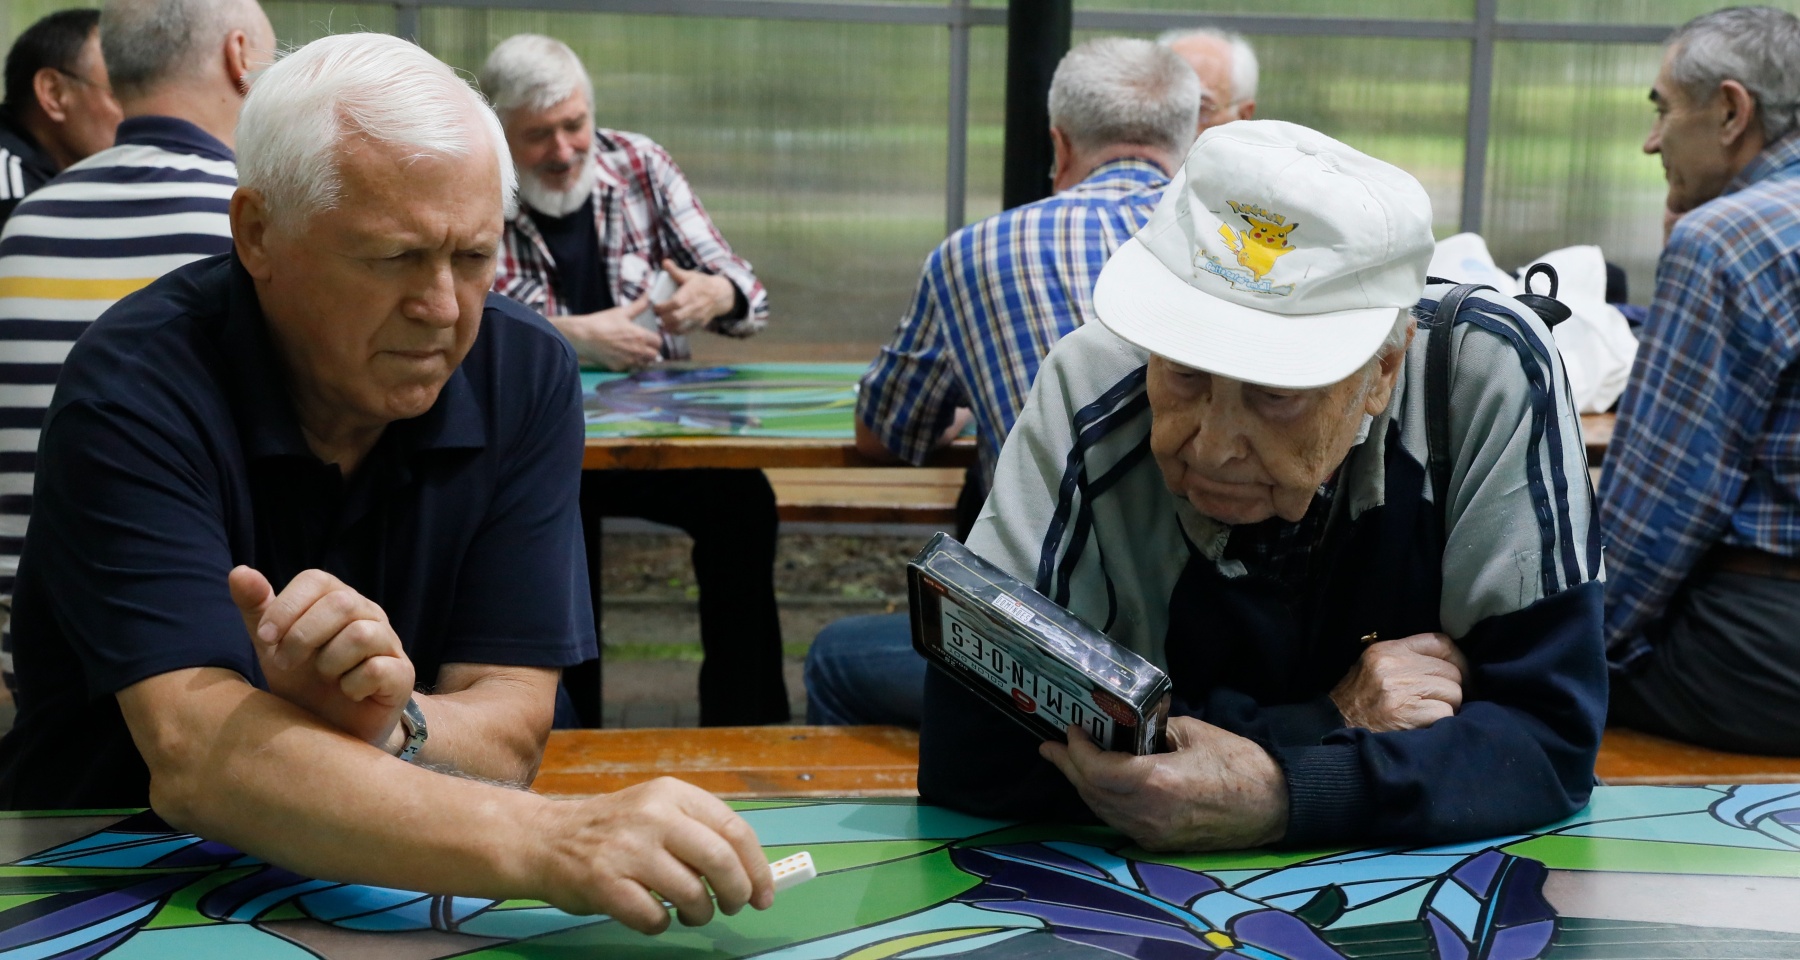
[1483, 31]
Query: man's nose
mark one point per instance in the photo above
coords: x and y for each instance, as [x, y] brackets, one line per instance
[1221, 439]
[433, 300]
[1653, 143]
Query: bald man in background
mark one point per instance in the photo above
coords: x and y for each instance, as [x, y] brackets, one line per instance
[1227, 68]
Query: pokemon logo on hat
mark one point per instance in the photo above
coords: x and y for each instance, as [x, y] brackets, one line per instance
[1277, 256]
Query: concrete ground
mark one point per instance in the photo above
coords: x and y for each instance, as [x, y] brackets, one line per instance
[650, 624]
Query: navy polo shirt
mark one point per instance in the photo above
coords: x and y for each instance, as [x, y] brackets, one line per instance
[171, 453]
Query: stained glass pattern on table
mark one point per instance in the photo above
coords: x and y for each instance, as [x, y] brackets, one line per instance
[1642, 872]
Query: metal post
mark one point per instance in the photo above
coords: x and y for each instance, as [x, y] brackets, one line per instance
[406, 20]
[956, 159]
[1481, 97]
[1037, 36]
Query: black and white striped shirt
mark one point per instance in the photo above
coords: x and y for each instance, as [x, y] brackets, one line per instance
[104, 228]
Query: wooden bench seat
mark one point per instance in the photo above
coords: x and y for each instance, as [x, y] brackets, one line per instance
[736, 762]
[751, 762]
[914, 495]
[1630, 757]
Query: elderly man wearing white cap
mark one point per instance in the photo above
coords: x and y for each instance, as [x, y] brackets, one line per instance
[1229, 475]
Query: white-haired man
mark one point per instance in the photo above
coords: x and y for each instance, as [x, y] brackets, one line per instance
[1227, 68]
[992, 300]
[1700, 498]
[307, 540]
[124, 216]
[1229, 475]
[601, 211]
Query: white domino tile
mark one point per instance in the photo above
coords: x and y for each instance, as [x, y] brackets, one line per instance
[793, 871]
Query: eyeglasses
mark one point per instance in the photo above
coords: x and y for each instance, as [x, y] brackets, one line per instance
[78, 78]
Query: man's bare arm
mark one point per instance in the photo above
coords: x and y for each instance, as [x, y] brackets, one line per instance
[487, 721]
[238, 765]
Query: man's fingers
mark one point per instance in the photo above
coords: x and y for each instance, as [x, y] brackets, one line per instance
[1105, 770]
[634, 906]
[680, 884]
[1441, 691]
[1439, 646]
[680, 274]
[357, 641]
[736, 868]
[323, 620]
[251, 592]
[387, 679]
[293, 602]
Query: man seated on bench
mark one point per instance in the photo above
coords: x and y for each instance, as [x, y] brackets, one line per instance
[341, 411]
[1228, 474]
[992, 299]
[1700, 498]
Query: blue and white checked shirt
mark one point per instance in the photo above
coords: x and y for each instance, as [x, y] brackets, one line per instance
[993, 299]
[1707, 446]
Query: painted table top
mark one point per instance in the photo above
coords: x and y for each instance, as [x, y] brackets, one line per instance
[772, 400]
[1642, 872]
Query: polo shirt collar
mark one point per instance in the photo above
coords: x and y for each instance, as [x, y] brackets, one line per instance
[267, 422]
[172, 134]
[1775, 158]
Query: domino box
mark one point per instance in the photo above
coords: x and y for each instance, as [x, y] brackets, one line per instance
[1031, 659]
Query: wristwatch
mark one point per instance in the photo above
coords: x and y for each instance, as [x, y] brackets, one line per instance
[412, 720]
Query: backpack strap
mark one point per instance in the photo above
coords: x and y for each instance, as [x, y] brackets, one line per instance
[1437, 396]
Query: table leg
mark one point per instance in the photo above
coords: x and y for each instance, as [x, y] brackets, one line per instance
[583, 680]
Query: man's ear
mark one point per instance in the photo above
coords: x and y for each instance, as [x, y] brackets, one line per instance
[1387, 373]
[237, 61]
[1062, 154]
[1247, 110]
[48, 87]
[250, 232]
[1739, 113]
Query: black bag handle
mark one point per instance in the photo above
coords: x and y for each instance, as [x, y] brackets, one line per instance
[1437, 394]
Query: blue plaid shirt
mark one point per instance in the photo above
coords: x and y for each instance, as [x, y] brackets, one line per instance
[1707, 446]
[993, 299]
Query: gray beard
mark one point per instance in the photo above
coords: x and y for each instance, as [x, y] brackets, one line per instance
[560, 203]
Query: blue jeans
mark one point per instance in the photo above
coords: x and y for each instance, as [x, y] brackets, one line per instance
[864, 670]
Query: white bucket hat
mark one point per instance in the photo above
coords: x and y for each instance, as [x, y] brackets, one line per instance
[1277, 256]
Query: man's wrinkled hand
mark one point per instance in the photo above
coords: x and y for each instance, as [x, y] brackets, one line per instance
[700, 297]
[624, 853]
[1213, 791]
[327, 649]
[611, 339]
[1403, 684]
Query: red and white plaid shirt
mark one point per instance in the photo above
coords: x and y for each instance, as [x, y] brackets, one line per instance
[645, 212]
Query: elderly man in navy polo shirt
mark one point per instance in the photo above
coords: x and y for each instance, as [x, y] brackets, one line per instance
[305, 535]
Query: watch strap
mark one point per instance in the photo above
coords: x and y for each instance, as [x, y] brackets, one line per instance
[412, 720]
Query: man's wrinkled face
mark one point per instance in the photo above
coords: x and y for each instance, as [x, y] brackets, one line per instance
[1686, 134]
[1242, 453]
[550, 146]
[375, 301]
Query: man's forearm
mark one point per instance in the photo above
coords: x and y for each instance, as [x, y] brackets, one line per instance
[247, 768]
[487, 723]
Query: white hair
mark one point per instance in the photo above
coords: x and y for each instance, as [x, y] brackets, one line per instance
[1244, 69]
[147, 43]
[1758, 47]
[1119, 90]
[372, 85]
[535, 72]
